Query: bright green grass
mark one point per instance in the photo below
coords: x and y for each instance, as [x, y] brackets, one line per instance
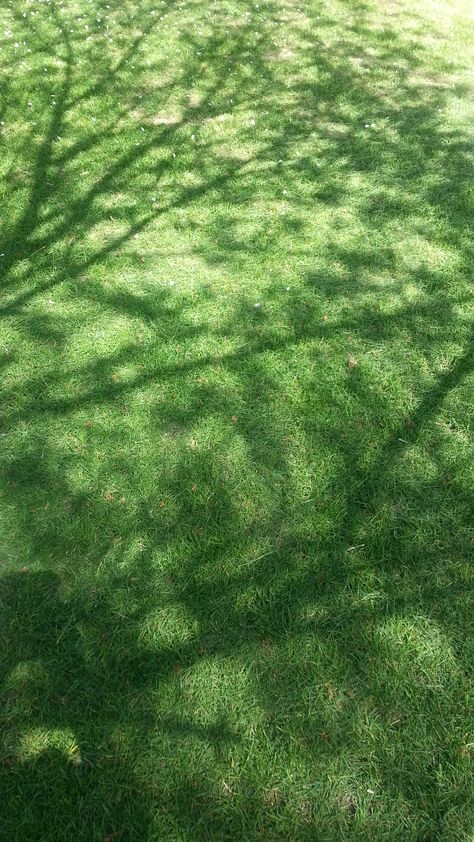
[236, 585]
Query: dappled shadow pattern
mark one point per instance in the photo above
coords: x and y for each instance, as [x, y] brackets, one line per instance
[236, 600]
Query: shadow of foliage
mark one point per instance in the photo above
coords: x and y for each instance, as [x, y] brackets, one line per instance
[236, 600]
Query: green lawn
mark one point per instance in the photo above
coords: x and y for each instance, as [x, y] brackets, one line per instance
[236, 421]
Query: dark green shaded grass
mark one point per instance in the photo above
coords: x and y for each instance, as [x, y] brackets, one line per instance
[236, 455]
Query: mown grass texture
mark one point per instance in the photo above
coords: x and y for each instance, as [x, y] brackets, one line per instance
[236, 453]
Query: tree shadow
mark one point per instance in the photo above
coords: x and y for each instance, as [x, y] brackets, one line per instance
[223, 536]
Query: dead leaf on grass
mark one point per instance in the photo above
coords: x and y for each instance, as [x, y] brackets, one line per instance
[349, 804]
[271, 797]
[351, 362]
[330, 690]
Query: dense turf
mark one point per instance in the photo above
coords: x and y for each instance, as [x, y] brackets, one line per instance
[236, 452]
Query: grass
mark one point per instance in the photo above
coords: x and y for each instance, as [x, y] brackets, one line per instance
[236, 451]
